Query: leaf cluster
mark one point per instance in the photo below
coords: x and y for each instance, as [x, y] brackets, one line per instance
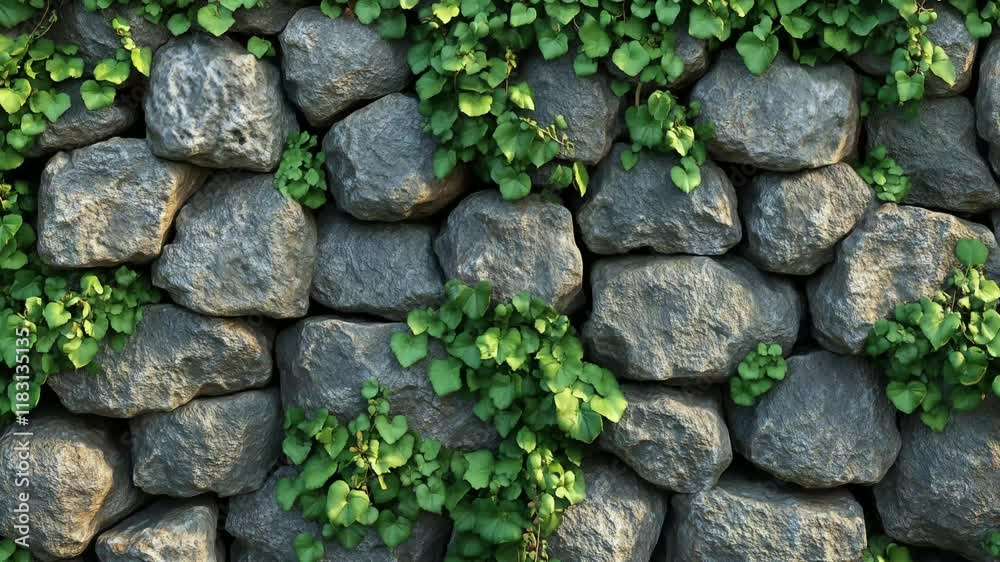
[14, 12]
[10, 552]
[884, 175]
[757, 374]
[300, 174]
[213, 16]
[940, 354]
[882, 549]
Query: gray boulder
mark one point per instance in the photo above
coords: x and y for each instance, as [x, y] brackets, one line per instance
[380, 163]
[79, 126]
[79, 482]
[173, 356]
[988, 101]
[167, 531]
[949, 33]
[241, 248]
[212, 103]
[639, 208]
[268, 17]
[375, 268]
[944, 489]
[695, 55]
[937, 150]
[323, 361]
[827, 424]
[793, 221]
[525, 245]
[91, 31]
[675, 438]
[896, 254]
[762, 522]
[685, 319]
[265, 533]
[110, 203]
[590, 107]
[224, 445]
[330, 65]
[790, 118]
[618, 522]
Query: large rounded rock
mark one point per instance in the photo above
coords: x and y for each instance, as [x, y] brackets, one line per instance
[640, 208]
[79, 126]
[763, 522]
[944, 489]
[988, 101]
[685, 319]
[790, 118]
[525, 245]
[324, 361]
[263, 532]
[167, 531]
[224, 445]
[79, 482]
[589, 106]
[173, 356]
[380, 163]
[332, 64]
[375, 268]
[827, 403]
[793, 221]
[212, 103]
[674, 438]
[618, 522]
[110, 203]
[268, 17]
[241, 248]
[896, 254]
[937, 150]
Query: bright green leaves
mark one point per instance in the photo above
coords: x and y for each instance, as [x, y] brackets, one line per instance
[758, 47]
[393, 530]
[215, 19]
[971, 252]
[881, 549]
[906, 396]
[260, 48]
[886, 177]
[445, 375]
[479, 468]
[300, 174]
[345, 506]
[661, 124]
[595, 40]
[631, 58]
[474, 104]
[408, 348]
[307, 548]
[757, 373]
[937, 325]
[96, 96]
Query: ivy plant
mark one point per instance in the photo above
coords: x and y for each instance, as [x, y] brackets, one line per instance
[10, 552]
[884, 175]
[213, 16]
[940, 353]
[882, 549]
[757, 373]
[300, 175]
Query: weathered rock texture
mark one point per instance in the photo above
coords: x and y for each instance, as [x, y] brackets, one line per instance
[790, 118]
[988, 101]
[212, 103]
[91, 31]
[268, 17]
[241, 248]
[79, 126]
[525, 245]
[685, 319]
[896, 254]
[110, 203]
[224, 445]
[167, 531]
[640, 208]
[380, 163]
[173, 356]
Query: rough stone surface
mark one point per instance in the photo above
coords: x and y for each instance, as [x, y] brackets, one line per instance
[685, 319]
[937, 150]
[950, 33]
[212, 103]
[375, 268]
[80, 482]
[265, 533]
[793, 221]
[173, 356]
[330, 65]
[167, 531]
[642, 208]
[826, 424]
[590, 107]
[944, 489]
[524, 245]
[674, 438]
[323, 361]
[269, 17]
[620, 520]
[763, 522]
[79, 126]
[380, 163]
[988, 101]
[110, 203]
[896, 254]
[695, 55]
[224, 445]
[241, 248]
[790, 118]
[92, 31]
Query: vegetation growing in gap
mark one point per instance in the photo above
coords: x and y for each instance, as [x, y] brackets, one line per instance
[757, 373]
[300, 175]
[941, 353]
[886, 177]
[882, 549]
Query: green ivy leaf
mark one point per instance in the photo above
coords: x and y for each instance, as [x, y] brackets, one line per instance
[391, 431]
[480, 468]
[178, 24]
[216, 19]
[307, 548]
[757, 54]
[971, 252]
[446, 375]
[408, 348]
[95, 96]
[631, 58]
[906, 396]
